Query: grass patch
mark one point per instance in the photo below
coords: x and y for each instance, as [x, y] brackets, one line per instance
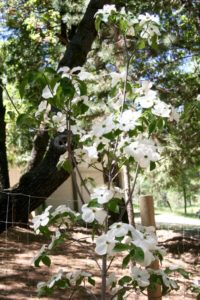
[176, 211]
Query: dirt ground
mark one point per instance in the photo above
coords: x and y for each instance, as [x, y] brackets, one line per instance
[18, 278]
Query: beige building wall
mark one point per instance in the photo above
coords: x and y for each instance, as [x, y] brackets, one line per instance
[64, 194]
[15, 174]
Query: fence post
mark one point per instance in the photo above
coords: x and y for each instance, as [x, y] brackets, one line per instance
[148, 219]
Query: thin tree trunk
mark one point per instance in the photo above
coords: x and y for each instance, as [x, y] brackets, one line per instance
[129, 202]
[4, 175]
[185, 199]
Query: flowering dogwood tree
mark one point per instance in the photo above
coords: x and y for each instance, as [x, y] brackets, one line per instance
[125, 136]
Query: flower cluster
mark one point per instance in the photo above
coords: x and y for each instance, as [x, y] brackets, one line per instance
[143, 151]
[62, 214]
[150, 27]
[149, 99]
[62, 279]
[124, 234]
[107, 9]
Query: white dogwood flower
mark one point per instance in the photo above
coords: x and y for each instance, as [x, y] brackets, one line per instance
[105, 244]
[144, 151]
[161, 109]
[41, 220]
[48, 93]
[74, 276]
[102, 194]
[117, 77]
[148, 96]
[103, 126]
[61, 209]
[111, 279]
[148, 18]
[148, 243]
[83, 75]
[140, 276]
[106, 10]
[120, 229]
[44, 106]
[89, 214]
[91, 152]
[41, 285]
[128, 120]
[174, 115]
[76, 129]
[150, 26]
[55, 278]
[166, 280]
[59, 120]
[67, 72]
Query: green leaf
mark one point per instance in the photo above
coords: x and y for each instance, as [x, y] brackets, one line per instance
[45, 291]
[126, 261]
[93, 203]
[82, 87]
[125, 279]
[112, 135]
[37, 261]
[154, 44]
[184, 273]
[123, 25]
[80, 108]
[160, 123]
[46, 261]
[67, 166]
[24, 120]
[113, 206]
[79, 281]
[22, 87]
[152, 165]
[121, 247]
[152, 126]
[62, 284]
[67, 87]
[141, 44]
[97, 23]
[11, 114]
[137, 254]
[91, 281]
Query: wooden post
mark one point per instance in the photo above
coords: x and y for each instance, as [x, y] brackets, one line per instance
[148, 219]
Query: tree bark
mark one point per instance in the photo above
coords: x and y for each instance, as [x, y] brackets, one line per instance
[43, 179]
[40, 144]
[4, 175]
[38, 184]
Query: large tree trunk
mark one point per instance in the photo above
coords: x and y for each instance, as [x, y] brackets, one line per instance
[4, 176]
[43, 179]
[39, 183]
